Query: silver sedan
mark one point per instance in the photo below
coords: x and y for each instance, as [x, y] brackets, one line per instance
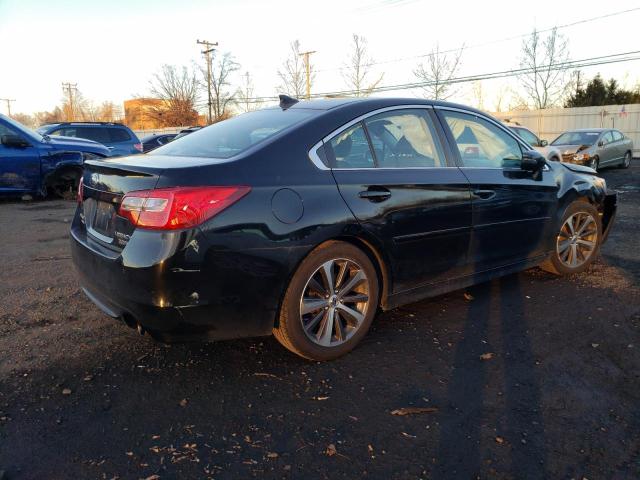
[595, 147]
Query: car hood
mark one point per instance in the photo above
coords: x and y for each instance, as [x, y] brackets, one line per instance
[579, 168]
[569, 149]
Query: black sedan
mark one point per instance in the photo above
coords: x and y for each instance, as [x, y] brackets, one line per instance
[151, 142]
[305, 219]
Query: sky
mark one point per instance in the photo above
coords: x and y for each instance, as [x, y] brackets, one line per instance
[111, 49]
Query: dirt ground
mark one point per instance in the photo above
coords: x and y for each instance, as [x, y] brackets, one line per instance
[531, 376]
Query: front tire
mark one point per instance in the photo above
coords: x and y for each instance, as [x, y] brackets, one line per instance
[330, 302]
[595, 163]
[578, 241]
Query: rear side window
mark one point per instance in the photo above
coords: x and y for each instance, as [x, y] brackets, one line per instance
[404, 139]
[351, 149]
[231, 137]
[119, 135]
[617, 136]
[97, 134]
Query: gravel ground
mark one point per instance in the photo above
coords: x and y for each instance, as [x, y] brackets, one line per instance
[529, 376]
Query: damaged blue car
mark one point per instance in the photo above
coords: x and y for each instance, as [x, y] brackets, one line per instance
[35, 164]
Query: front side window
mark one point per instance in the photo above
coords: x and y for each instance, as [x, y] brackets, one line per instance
[607, 138]
[404, 138]
[482, 144]
[5, 130]
[351, 149]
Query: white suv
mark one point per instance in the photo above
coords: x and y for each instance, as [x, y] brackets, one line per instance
[542, 146]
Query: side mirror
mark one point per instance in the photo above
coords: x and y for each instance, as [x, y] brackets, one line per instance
[543, 143]
[14, 141]
[600, 143]
[532, 161]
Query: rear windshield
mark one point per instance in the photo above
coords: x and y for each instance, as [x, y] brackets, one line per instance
[576, 138]
[231, 137]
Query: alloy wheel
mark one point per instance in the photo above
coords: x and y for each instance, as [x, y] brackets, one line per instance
[627, 160]
[334, 302]
[577, 239]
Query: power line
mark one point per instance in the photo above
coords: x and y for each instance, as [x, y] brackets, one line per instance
[587, 62]
[491, 42]
[68, 88]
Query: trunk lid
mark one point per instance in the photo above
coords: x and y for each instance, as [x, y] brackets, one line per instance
[105, 182]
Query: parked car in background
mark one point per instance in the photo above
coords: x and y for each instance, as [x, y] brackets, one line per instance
[35, 164]
[595, 147]
[118, 138]
[304, 219]
[186, 131]
[542, 146]
[156, 140]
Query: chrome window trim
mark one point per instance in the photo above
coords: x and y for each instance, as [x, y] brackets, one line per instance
[315, 158]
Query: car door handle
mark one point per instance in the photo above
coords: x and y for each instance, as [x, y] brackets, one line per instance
[110, 148]
[484, 194]
[375, 194]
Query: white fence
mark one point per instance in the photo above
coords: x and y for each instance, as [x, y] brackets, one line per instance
[550, 123]
[157, 131]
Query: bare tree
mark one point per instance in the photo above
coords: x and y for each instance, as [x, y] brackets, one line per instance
[177, 90]
[25, 119]
[356, 72]
[437, 72]
[109, 112]
[222, 67]
[55, 116]
[245, 95]
[545, 59]
[292, 73]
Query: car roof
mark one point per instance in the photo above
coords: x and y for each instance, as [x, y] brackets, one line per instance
[84, 124]
[588, 130]
[373, 103]
[157, 135]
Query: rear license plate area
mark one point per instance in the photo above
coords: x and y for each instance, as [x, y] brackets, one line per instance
[100, 219]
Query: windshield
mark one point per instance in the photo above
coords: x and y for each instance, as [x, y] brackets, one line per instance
[231, 137]
[21, 128]
[526, 135]
[576, 138]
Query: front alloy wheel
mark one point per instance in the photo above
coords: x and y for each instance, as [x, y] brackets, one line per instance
[577, 242]
[330, 302]
[577, 239]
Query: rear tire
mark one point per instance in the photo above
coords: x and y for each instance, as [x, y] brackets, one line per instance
[627, 160]
[578, 240]
[330, 302]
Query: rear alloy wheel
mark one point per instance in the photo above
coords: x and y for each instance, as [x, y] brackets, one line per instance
[330, 302]
[627, 160]
[578, 240]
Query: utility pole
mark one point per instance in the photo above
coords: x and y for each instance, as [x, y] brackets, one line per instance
[207, 55]
[8, 100]
[68, 88]
[307, 67]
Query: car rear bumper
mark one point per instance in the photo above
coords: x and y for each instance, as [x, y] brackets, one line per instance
[175, 294]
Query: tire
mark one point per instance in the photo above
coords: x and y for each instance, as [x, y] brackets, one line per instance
[572, 254]
[627, 160]
[306, 333]
[595, 163]
[64, 184]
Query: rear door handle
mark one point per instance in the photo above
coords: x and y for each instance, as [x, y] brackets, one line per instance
[484, 194]
[375, 194]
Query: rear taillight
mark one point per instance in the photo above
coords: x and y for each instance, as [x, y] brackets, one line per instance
[80, 190]
[179, 207]
[138, 146]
